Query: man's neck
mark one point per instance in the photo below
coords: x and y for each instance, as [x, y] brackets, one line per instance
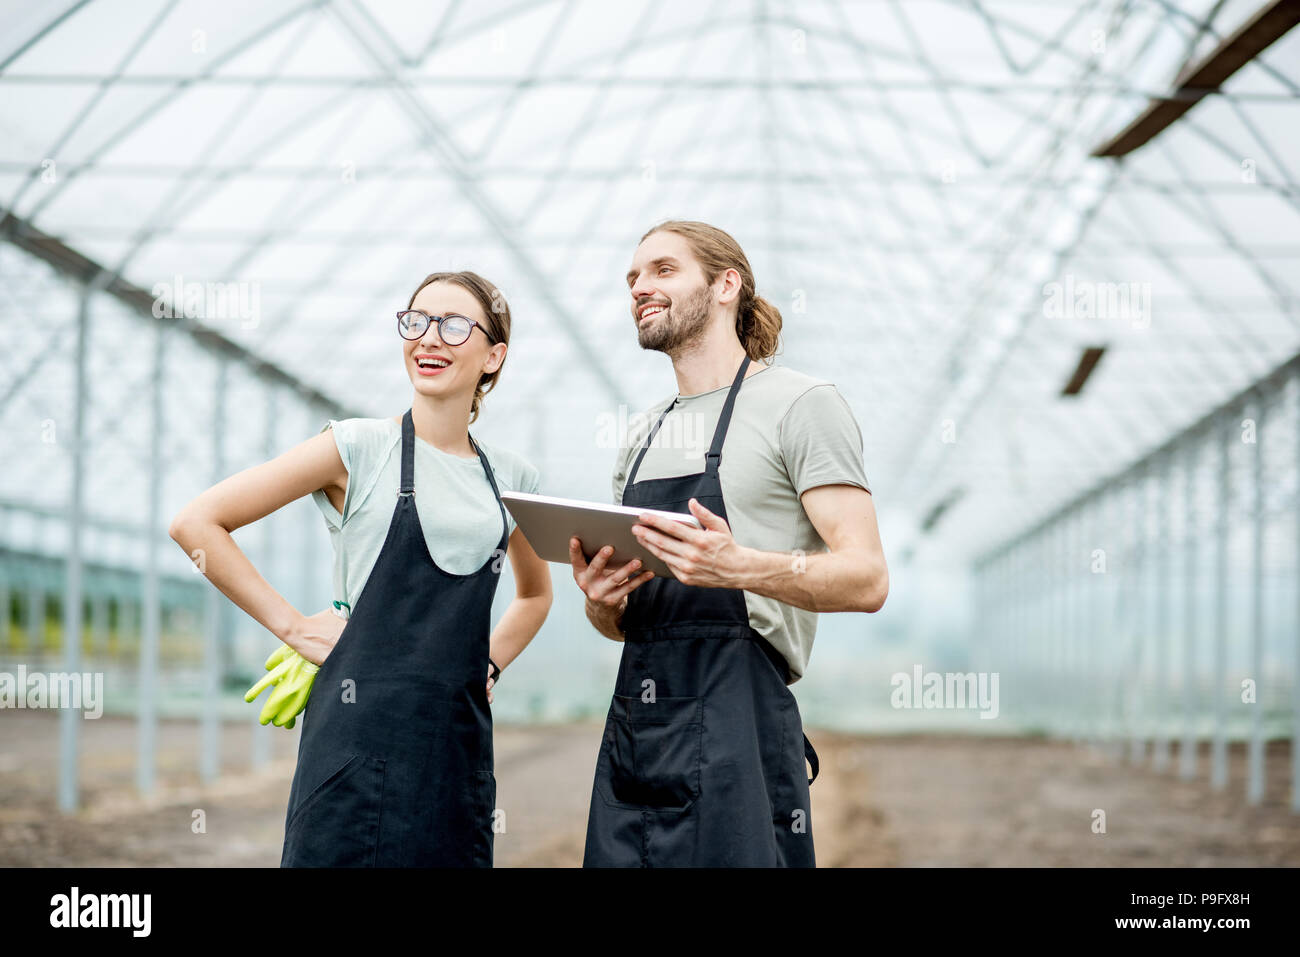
[710, 363]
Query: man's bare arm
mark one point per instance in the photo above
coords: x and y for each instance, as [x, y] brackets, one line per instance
[852, 576]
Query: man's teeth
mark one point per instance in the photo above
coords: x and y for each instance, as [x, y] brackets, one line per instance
[653, 310]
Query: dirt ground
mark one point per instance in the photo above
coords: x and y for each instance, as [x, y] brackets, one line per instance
[879, 801]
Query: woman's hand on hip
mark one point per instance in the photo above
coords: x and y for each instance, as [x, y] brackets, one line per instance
[314, 636]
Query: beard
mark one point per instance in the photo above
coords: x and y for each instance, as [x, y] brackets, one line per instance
[680, 324]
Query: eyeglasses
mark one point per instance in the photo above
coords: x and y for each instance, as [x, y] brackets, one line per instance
[453, 328]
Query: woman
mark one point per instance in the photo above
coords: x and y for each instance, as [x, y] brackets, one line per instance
[395, 759]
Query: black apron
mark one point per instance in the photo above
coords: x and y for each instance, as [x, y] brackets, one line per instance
[702, 762]
[395, 758]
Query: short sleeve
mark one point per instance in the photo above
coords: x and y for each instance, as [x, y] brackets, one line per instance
[616, 483]
[516, 474]
[821, 442]
[622, 466]
[513, 472]
[357, 441]
[327, 509]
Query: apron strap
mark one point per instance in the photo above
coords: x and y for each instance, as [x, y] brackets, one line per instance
[811, 756]
[408, 455]
[408, 471]
[631, 477]
[713, 457]
[487, 468]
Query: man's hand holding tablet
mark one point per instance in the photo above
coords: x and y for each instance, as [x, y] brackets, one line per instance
[703, 554]
[695, 547]
[605, 587]
[550, 524]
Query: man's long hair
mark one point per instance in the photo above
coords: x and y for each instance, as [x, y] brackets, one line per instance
[758, 322]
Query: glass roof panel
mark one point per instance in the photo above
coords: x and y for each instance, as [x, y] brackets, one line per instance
[909, 181]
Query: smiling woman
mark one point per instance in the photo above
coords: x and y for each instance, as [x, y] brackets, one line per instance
[413, 672]
[395, 761]
[455, 304]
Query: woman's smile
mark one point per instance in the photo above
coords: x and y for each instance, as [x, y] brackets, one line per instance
[429, 364]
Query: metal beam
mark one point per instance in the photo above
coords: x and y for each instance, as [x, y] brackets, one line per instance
[82, 268]
[508, 83]
[1268, 25]
[584, 175]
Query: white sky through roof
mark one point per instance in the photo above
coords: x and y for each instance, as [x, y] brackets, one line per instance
[907, 178]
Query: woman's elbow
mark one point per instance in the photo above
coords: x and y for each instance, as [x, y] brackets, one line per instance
[185, 526]
[179, 527]
[541, 597]
[538, 589]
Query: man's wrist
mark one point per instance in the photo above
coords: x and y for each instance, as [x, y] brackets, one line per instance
[613, 617]
[745, 569]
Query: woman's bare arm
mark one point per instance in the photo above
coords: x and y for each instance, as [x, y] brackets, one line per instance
[202, 528]
[532, 602]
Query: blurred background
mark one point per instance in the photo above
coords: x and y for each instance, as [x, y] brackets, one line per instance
[1047, 251]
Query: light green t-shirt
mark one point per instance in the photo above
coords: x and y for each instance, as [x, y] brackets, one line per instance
[458, 512]
[789, 432]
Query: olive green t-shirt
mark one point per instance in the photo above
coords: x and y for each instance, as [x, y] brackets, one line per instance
[789, 432]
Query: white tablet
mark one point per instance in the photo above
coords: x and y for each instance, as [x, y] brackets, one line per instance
[549, 522]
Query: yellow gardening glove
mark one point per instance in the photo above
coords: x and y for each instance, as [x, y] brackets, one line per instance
[278, 668]
[292, 676]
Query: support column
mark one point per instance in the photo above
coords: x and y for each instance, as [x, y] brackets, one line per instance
[147, 718]
[213, 600]
[1255, 768]
[1219, 746]
[1160, 660]
[1191, 556]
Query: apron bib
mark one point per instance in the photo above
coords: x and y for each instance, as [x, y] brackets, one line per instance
[395, 758]
[702, 761]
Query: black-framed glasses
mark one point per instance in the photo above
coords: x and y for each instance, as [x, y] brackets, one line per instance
[453, 328]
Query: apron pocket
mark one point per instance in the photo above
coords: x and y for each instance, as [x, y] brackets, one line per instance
[652, 753]
[482, 799]
[337, 824]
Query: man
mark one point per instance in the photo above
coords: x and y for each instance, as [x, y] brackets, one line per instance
[702, 761]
